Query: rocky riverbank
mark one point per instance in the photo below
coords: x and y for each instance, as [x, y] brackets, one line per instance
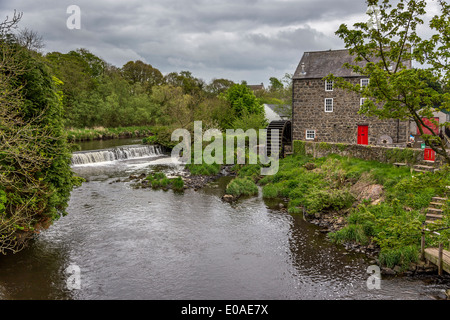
[327, 221]
[194, 182]
[334, 221]
[199, 181]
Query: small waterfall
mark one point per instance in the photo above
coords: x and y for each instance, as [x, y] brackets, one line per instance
[119, 153]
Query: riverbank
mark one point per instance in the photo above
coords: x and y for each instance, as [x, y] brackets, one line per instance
[156, 216]
[247, 250]
[101, 133]
[366, 206]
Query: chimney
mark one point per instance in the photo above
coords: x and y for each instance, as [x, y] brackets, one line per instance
[303, 68]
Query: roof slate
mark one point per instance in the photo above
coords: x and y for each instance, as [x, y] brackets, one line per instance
[319, 64]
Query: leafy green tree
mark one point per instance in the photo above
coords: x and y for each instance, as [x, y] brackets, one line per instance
[95, 66]
[218, 86]
[382, 49]
[78, 85]
[275, 84]
[242, 100]
[36, 178]
[142, 73]
[178, 107]
[186, 81]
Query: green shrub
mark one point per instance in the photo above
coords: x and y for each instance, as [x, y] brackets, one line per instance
[270, 191]
[253, 171]
[204, 169]
[158, 180]
[294, 210]
[328, 199]
[294, 206]
[178, 184]
[165, 182]
[402, 256]
[150, 140]
[350, 233]
[299, 147]
[157, 176]
[242, 187]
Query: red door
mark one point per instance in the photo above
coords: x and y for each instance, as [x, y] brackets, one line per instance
[363, 135]
[429, 154]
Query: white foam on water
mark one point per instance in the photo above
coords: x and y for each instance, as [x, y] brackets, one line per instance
[109, 156]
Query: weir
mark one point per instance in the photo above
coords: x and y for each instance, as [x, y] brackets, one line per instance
[113, 154]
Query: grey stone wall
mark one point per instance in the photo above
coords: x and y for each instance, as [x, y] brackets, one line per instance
[341, 125]
[383, 154]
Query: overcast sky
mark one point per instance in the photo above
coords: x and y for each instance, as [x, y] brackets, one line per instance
[249, 40]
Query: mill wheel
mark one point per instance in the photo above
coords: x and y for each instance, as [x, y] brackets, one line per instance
[284, 135]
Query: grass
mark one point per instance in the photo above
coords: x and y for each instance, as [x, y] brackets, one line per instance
[98, 133]
[324, 184]
[353, 233]
[401, 256]
[204, 169]
[242, 187]
[159, 180]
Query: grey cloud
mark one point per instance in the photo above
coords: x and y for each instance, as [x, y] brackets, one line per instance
[175, 35]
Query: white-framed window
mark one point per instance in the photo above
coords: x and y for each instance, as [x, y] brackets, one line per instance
[328, 85]
[328, 104]
[310, 134]
[364, 82]
[361, 101]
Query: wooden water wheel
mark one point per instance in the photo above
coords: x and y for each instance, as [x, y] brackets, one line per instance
[284, 135]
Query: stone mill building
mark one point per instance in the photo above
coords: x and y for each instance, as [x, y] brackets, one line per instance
[323, 113]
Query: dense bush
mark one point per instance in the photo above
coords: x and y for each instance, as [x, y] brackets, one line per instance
[242, 187]
[36, 179]
[328, 199]
[160, 180]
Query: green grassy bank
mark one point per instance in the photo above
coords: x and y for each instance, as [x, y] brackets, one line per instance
[99, 133]
[336, 184]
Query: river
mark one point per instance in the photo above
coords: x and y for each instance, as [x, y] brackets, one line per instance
[129, 243]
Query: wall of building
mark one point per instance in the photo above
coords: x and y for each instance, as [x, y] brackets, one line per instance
[341, 125]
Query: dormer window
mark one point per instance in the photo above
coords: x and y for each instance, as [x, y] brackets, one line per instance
[328, 85]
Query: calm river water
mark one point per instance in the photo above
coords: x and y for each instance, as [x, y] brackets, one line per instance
[144, 244]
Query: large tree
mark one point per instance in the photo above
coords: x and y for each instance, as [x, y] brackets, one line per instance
[35, 174]
[138, 72]
[384, 45]
[242, 100]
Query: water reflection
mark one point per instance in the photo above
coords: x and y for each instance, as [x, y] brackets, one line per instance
[37, 272]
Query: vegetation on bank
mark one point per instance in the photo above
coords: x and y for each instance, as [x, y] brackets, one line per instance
[159, 180]
[242, 187]
[36, 179]
[333, 185]
[100, 133]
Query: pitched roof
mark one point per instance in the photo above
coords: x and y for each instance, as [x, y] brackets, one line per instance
[281, 110]
[319, 64]
[255, 87]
